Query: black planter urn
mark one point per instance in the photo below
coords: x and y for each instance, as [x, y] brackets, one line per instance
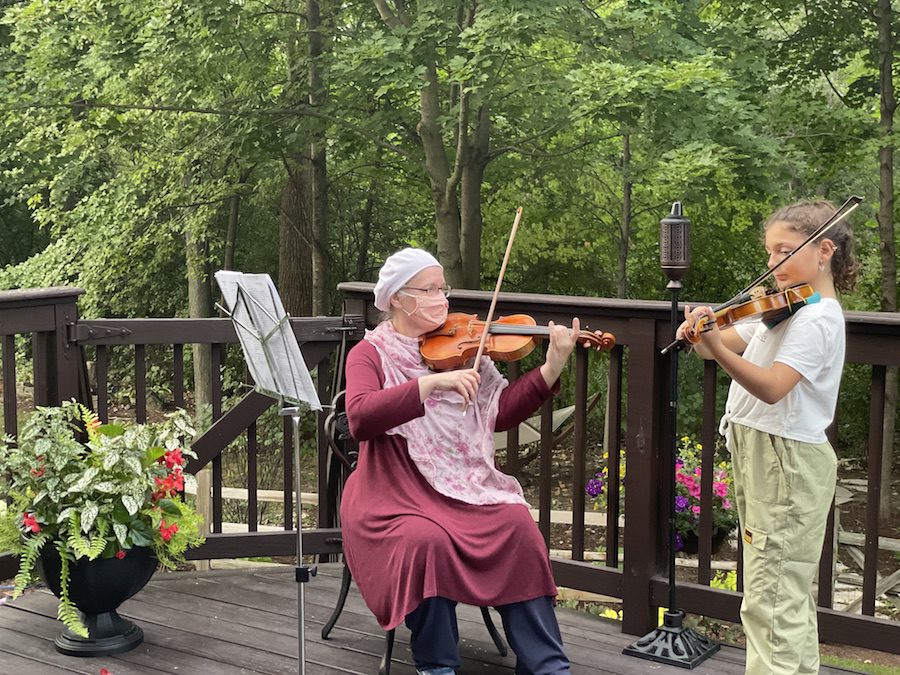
[692, 542]
[97, 588]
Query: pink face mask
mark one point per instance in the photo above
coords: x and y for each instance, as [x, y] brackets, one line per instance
[432, 311]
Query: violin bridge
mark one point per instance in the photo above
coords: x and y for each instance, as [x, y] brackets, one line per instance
[757, 293]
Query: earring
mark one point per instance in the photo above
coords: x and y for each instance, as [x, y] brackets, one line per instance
[821, 267]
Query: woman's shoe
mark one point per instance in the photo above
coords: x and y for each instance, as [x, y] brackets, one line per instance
[436, 671]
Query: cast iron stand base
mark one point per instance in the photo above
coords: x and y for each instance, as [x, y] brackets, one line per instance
[673, 644]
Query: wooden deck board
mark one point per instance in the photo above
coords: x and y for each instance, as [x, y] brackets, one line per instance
[226, 622]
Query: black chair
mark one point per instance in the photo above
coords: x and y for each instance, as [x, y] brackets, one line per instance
[344, 456]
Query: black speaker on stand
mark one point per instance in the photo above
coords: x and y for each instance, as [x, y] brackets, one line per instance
[673, 643]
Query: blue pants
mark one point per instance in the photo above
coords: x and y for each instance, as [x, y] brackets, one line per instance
[530, 626]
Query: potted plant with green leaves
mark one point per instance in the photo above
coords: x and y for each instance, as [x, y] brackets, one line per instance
[94, 509]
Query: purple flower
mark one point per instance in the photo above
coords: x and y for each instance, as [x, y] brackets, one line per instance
[681, 503]
[679, 541]
[594, 487]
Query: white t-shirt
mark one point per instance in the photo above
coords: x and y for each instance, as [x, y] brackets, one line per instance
[811, 342]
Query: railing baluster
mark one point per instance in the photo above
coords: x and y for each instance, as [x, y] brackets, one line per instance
[10, 417]
[215, 378]
[829, 547]
[40, 353]
[707, 462]
[613, 456]
[287, 455]
[140, 383]
[102, 367]
[579, 456]
[513, 464]
[873, 488]
[178, 375]
[252, 496]
[546, 471]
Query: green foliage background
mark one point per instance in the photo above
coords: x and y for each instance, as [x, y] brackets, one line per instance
[126, 126]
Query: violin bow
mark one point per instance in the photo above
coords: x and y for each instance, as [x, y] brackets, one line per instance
[490, 314]
[839, 215]
[845, 209]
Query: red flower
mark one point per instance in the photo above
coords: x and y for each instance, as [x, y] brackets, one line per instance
[120, 554]
[104, 671]
[166, 531]
[37, 473]
[169, 485]
[173, 458]
[30, 522]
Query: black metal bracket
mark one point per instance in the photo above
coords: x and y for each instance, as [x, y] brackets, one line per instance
[81, 331]
[304, 572]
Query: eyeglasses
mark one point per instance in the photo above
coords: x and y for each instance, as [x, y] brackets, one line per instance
[431, 291]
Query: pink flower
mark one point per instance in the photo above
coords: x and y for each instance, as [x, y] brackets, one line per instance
[120, 554]
[695, 509]
[726, 504]
[721, 489]
[104, 671]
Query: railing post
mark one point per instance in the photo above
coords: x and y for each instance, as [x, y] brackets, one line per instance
[46, 313]
[644, 527]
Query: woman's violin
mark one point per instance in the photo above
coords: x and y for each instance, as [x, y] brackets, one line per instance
[510, 338]
[770, 308]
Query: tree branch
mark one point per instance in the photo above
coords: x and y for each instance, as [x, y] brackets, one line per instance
[79, 106]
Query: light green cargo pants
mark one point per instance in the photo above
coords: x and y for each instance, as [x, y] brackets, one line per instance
[784, 490]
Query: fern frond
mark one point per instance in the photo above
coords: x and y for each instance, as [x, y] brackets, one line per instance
[66, 611]
[84, 547]
[27, 561]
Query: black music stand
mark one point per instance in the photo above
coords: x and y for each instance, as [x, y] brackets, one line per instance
[278, 369]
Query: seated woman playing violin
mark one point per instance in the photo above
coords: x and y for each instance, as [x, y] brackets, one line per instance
[428, 521]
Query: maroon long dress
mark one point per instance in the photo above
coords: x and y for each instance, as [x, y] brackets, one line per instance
[406, 542]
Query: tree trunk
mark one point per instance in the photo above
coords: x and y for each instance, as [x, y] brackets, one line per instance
[625, 226]
[470, 199]
[318, 173]
[362, 255]
[886, 233]
[294, 244]
[443, 191]
[200, 306]
[234, 212]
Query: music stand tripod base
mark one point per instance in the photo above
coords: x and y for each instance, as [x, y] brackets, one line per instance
[673, 644]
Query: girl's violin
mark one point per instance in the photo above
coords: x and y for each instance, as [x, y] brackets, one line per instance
[771, 309]
[510, 338]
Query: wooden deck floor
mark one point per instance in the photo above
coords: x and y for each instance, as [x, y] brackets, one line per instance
[245, 621]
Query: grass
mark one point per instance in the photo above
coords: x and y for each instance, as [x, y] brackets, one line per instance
[859, 666]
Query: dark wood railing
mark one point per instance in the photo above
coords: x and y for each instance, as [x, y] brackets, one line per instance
[637, 390]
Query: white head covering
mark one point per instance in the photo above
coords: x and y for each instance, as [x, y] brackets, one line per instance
[397, 270]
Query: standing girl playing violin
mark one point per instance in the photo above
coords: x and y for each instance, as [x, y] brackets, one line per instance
[785, 381]
[427, 519]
